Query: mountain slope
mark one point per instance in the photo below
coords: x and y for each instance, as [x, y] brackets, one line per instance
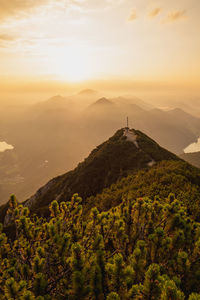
[122, 154]
[193, 158]
[126, 100]
[175, 176]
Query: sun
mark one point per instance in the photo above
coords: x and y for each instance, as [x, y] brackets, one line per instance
[72, 63]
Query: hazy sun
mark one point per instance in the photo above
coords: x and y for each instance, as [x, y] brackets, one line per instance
[73, 63]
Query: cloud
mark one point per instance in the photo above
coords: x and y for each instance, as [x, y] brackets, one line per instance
[132, 16]
[6, 37]
[10, 8]
[22, 8]
[155, 12]
[176, 16]
[91, 5]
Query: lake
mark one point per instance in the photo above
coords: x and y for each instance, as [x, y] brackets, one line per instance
[4, 146]
[194, 147]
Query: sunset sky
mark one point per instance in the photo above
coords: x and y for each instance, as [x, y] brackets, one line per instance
[77, 40]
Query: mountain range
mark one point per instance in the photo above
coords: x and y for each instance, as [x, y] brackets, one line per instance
[58, 133]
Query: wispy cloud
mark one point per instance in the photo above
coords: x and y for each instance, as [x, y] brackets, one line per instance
[133, 16]
[91, 5]
[22, 8]
[11, 8]
[176, 16]
[6, 37]
[6, 40]
[155, 12]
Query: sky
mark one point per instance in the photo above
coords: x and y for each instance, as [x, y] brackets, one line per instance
[80, 40]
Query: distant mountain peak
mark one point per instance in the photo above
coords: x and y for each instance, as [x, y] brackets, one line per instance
[87, 92]
[103, 101]
[56, 98]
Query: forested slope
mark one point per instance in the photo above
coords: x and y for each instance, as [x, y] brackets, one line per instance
[160, 180]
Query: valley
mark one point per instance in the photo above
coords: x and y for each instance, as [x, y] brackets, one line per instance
[56, 134]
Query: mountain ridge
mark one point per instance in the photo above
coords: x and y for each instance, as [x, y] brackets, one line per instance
[107, 163]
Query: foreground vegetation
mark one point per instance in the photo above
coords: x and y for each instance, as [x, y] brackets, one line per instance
[141, 249]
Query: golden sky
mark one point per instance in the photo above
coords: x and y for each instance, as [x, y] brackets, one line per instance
[75, 40]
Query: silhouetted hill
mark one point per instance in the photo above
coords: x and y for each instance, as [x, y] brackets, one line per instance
[101, 102]
[55, 102]
[192, 158]
[126, 100]
[185, 118]
[88, 92]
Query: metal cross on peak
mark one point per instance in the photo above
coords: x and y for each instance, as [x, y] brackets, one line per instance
[127, 122]
[127, 125]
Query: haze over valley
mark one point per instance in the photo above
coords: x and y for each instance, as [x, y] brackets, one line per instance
[50, 137]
